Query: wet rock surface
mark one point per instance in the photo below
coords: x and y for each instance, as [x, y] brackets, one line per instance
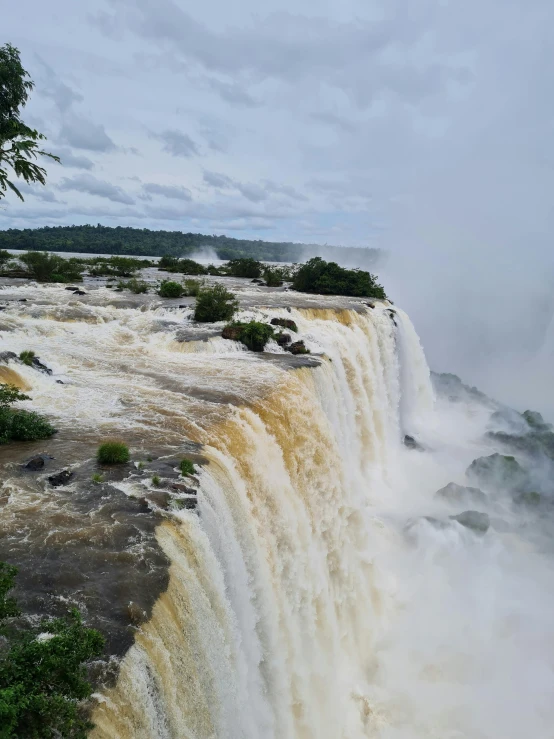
[474, 520]
[454, 493]
[60, 478]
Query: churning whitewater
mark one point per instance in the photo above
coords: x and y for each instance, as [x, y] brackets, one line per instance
[321, 590]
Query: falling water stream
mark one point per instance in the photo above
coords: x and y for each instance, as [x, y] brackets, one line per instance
[312, 593]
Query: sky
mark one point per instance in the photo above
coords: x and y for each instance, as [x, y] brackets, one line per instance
[423, 127]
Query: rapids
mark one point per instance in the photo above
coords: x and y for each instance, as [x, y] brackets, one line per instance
[313, 593]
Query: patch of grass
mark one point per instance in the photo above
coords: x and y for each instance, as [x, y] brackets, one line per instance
[215, 304]
[135, 286]
[113, 452]
[193, 287]
[148, 459]
[43, 671]
[20, 425]
[155, 480]
[27, 357]
[328, 278]
[186, 467]
[170, 289]
[97, 478]
[140, 466]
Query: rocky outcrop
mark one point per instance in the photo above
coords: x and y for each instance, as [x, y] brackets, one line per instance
[297, 347]
[453, 493]
[285, 323]
[60, 478]
[283, 339]
[474, 520]
[498, 472]
[411, 443]
[37, 462]
[232, 333]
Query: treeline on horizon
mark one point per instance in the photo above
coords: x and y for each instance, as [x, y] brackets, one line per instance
[143, 242]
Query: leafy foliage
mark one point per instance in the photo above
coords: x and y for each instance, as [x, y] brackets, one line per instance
[244, 267]
[186, 467]
[20, 425]
[193, 287]
[253, 334]
[115, 266]
[45, 267]
[273, 277]
[113, 452]
[27, 357]
[18, 143]
[42, 671]
[170, 289]
[135, 286]
[215, 304]
[328, 278]
[185, 266]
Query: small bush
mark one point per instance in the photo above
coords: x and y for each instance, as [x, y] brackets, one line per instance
[113, 452]
[155, 480]
[287, 323]
[167, 262]
[193, 287]
[253, 335]
[134, 285]
[97, 478]
[273, 277]
[20, 425]
[328, 278]
[190, 267]
[245, 267]
[27, 357]
[186, 467]
[170, 289]
[215, 304]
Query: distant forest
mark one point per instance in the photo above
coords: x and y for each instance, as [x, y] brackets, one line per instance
[142, 242]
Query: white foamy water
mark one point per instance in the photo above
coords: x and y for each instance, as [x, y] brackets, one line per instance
[322, 592]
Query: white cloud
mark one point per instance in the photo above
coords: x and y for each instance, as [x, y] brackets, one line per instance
[90, 185]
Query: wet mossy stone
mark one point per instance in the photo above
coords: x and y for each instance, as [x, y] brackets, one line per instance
[498, 471]
[474, 520]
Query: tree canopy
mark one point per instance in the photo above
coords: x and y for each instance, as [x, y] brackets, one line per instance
[19, 144]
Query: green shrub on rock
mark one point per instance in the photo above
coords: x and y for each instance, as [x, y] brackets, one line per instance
[328, 278]
[170, 289]
[113, 452]
[27, 357]
[135, 286]
[244, 267]
[254, 335]
[20, 425]
[186, 467]
[215, 304]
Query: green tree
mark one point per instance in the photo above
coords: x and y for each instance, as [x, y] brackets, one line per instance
[215, 304]
[42, 671]
[19, 144]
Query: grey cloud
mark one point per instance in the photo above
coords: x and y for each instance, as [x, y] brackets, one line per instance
[167, 191]
[38, 191]
[232, 93]
[214, 179]
[290, 46]
[287, 190]
[176, 143]
[69, 159]
[84, 134]
[53, 87]
[332, 119]
[89, 184]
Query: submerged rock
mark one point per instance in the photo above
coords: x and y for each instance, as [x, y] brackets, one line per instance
[6, 357]
[530, 498]
[37, 462]
[498, 471]
[60, 479]
[37, 364]
[535, 420]
[283, 339]
[411, 443]
[79, 292]
[73, 289]
[474, 520]
[135, 613]
[454, 493]
[285, 323]
[159, 498]
[232, 333]
[297, 347]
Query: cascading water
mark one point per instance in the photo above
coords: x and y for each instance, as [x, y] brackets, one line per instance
[321, 591]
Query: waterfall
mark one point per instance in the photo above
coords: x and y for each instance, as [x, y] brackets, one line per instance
[266, 627]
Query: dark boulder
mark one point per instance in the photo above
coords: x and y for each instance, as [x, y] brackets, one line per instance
[454, 493]
[411, 443]
[73, 289]
[60, 479]
[285, 323]
[36, 463]
[297, 347]
[180, 488]
[283, 339]
[79, 292]
[530, 498]
[22, 300]
[135, 614]
[370, 305]
[6, 357]
[185, 503]
[535, 420]
[37, 364]
[232, 333]
[474, 520]
[160, 499]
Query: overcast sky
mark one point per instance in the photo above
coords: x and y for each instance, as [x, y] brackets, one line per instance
[423, 126]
